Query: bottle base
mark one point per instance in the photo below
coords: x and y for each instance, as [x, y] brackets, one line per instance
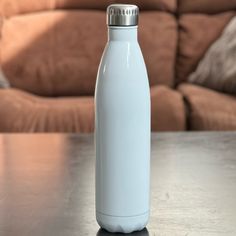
[116, 224]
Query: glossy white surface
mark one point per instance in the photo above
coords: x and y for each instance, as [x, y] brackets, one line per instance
[122, 131]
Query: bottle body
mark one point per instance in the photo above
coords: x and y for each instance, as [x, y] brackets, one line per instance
[122, 108]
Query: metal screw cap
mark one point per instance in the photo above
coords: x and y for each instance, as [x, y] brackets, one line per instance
[122, 15]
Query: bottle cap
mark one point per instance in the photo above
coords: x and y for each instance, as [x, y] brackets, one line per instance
[122, 15]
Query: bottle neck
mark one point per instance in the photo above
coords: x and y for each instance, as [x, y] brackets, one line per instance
[116, 33]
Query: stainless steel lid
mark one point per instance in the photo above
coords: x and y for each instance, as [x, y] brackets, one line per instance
[122, 15]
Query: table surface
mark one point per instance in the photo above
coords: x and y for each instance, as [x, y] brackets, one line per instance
[47, 185]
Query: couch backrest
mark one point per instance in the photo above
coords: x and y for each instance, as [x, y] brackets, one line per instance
[53, 53]
[206, 6]
[53, 47]
[200, 24]
[13, 7]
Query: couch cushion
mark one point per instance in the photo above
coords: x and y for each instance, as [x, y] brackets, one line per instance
[158, 41]
[58, 53]
[206, 6]
[208, 109]
[168, 111]
[37, 114]
[22, 112]
[53, 53]
[196, 33]
[13, 7]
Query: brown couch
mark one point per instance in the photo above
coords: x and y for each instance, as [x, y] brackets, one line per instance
[50, 50]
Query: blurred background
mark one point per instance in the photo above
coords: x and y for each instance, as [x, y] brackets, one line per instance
[50, 52]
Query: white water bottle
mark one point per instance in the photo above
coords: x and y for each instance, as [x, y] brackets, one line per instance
[122, 101]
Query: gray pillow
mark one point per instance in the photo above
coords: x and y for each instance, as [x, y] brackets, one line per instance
[3, 80]
[217, 69]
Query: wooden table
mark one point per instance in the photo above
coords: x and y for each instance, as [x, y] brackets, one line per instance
[47, 185]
